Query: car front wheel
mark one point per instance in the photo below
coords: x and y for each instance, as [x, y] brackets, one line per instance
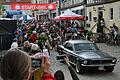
[109, 68]
[79, 69]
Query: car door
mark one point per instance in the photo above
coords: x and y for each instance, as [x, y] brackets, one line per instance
[70, 53]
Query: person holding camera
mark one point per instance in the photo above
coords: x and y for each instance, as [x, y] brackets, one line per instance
[59, 74]
[16, 65]
[41, 66]
[45, 67]
[72, 71]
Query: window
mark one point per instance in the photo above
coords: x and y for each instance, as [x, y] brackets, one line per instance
[7, 0]
[81, 12]
[85, 46]
[90, 16]
[77, 11]
[111, 13]
[18, 0]
[69, 46]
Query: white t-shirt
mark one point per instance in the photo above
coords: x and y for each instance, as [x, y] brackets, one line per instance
[34, 47]
[115, 34]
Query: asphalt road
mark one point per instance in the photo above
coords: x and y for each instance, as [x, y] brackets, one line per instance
[91, 75]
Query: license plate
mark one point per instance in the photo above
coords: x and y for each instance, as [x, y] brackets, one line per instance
[101, 68]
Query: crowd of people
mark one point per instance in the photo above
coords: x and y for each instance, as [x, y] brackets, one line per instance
[48, 34]
[115, 34]
[34, 39]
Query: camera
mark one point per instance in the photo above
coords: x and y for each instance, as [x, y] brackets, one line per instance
[37, 59]
[61, 57]
[36, 63]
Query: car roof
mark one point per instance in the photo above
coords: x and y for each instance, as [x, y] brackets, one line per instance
[79, 41]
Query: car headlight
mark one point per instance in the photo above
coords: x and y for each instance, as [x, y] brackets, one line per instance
[85, 62]
[114, 60]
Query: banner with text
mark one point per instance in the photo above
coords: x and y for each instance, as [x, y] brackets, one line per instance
[22, 6]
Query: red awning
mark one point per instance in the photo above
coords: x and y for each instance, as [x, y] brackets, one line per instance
[69, 18]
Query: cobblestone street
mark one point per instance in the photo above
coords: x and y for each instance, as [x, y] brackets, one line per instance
[112, 50]
[97, 75]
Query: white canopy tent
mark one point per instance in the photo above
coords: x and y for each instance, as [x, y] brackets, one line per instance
[25, 17]
[69, 15]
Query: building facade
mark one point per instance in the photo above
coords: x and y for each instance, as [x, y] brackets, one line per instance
[62, 5]
[92, 9]
[40, 14]
[76, 6]
[111, 14]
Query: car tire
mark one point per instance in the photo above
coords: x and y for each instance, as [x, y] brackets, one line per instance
[79, 69]
[109, 68]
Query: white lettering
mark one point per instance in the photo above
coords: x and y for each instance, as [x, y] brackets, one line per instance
[28, 7]
[41, 7]
[34, 6]
[22, 7]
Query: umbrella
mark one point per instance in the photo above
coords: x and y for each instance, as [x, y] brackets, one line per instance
[25, 17]
[69, 15]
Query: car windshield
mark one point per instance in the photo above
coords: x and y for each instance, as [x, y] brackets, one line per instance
[85, 46]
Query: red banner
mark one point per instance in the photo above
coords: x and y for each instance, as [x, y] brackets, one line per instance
[22, 6]
[4, 2]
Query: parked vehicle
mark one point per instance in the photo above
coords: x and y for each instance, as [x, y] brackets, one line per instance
[85, 54]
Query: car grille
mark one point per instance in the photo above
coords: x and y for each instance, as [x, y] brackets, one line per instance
[101, 62]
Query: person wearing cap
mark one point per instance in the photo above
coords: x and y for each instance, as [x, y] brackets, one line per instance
[34, 49]
[14, 44]
[33, 37]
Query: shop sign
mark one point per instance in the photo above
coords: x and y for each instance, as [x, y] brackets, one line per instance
[22, 6]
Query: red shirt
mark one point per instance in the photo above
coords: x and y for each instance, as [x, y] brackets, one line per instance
[47, 76]
[33, 38]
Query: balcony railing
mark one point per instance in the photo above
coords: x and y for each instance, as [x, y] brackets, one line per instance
[98, 1]
[67, 3]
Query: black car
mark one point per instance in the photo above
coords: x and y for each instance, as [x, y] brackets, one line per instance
[85, 54]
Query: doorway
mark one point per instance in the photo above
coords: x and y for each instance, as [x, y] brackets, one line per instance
[100, 14]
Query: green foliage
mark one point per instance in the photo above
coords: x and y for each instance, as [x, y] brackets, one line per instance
[2, 7]
[89, 33]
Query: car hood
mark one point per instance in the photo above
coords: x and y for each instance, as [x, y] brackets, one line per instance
[93, 55]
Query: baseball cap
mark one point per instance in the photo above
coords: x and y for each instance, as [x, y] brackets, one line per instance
[34, 47]
[34, 32]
